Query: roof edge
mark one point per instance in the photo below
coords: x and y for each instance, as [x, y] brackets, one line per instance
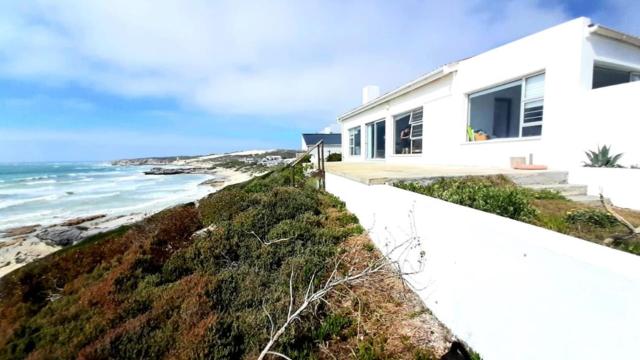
[614, 34]
[421, 81]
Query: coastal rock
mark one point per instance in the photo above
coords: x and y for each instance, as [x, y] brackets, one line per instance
[19, 231]
[80, 220]
[177, 171]
[168, 171]
[60, 236]
[203, 232]
[213, 182]
[151, 161]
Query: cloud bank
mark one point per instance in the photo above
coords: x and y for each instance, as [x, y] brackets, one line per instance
[252, 57]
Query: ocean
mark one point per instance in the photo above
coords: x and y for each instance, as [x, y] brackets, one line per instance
[50, 193]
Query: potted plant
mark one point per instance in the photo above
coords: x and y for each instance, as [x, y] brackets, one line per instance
[480, 136]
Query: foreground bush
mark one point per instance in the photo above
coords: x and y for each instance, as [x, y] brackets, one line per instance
[334, 157]
[156, 290]
[591, 217]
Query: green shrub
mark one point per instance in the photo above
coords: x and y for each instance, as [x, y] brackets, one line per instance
[371, 349]
[544, 194]
[332, 326]
[153, 291]
[491, 194]
[423, 354]
[594, 217]
[334, 157]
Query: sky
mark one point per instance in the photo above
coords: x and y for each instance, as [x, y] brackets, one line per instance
[102, 80]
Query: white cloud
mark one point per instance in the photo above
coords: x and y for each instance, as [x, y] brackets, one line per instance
[253, 57]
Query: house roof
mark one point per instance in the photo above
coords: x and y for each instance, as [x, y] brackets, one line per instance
[421, 81]
[451, 67]
[329, 139]
[614, 34]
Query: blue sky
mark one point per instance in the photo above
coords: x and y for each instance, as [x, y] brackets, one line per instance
[88, 80]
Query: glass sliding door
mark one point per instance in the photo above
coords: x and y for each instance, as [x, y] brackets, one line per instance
[376, 140]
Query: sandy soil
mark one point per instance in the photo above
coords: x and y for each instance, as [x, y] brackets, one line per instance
[19, 249]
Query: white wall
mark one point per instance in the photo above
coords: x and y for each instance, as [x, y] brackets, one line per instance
[511, 290]
[573, 113]
[619, 185]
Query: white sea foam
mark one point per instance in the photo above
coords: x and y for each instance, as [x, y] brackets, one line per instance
[11, 203]
[48, 194]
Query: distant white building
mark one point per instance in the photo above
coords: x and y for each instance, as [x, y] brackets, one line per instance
[271, 160]
[332, 143]
[551, 95]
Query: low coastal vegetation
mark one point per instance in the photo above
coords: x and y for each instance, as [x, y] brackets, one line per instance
[544, 208]
[196, 282]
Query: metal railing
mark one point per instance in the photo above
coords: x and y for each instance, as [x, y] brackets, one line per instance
[319, 172]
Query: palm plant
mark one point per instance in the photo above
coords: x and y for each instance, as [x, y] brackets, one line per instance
[602, 158]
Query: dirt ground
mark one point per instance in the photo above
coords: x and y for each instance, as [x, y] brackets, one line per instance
[388, 318]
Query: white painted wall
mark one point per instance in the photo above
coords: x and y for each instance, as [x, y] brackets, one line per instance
[619, 185]
[511, 290]
[574, 115]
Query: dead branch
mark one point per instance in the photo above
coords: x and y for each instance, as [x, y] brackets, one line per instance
[634, 231]
[267, 241]
[383, 265]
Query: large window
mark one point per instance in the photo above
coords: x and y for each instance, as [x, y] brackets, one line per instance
[507, 111]
[354, 141]
[608, 76]
[376, 139]
[408, 132]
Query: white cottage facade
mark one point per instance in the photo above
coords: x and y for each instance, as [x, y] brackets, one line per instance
[547, 97]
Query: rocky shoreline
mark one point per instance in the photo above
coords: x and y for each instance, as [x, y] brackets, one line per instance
[180, 170]
[23, 244]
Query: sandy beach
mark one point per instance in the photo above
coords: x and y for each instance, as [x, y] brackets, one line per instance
[22, 245]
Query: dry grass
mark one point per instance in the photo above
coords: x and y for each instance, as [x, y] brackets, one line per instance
[552, 216]
[383, 312]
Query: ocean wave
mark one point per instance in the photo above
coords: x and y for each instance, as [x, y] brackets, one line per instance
[38, 182]
[94, 196]
[12, 203]
[35, 178]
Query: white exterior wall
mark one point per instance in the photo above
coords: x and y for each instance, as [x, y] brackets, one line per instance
[574, 115]
[509, 289]
[619, 185]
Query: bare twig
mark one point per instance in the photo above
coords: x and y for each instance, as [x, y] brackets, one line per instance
[634, 230]
[382, 265]
[267, 241]
[278, 354]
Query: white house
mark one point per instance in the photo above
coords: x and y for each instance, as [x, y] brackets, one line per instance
[549, 96]
[332, 143]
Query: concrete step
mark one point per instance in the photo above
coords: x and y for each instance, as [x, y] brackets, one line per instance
[540, 178]
[563, 189]
[588, 199]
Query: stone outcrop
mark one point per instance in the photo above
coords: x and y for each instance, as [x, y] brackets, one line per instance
[19, 231]
[61, 235]
[81, 220]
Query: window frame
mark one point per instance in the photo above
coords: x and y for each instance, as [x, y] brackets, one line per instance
[524, 100]
[352, 143]
[521, 81]
[411, 123]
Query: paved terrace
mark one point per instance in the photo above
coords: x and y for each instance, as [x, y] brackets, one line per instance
[372, 173]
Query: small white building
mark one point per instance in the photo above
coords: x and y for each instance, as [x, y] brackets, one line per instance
[332, 143]
[271, 160]
[549, 96]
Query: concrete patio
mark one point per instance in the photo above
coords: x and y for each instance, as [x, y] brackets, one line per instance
[373, 173]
